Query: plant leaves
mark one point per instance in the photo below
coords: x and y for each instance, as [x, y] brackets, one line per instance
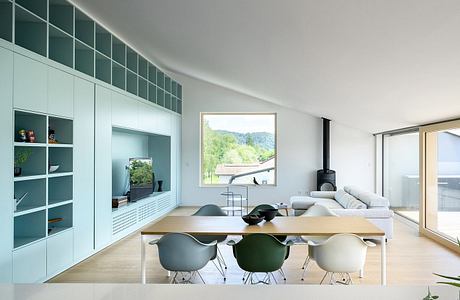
[450, 283]
[448, 277]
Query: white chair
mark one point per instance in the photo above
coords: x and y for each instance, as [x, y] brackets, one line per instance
[314, 211]
[341, 254]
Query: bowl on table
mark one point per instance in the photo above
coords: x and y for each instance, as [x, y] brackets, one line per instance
[252, 219]
[268, 214]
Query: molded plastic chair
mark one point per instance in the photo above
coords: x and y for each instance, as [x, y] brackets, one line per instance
[314, 211]
[260, 207]
[260, 253]
[341, 254]
[182, 253]
[213, 211]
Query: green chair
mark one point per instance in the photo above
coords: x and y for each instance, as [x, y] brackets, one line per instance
[214, 211]
[182, 254]
[260, 253]
[260, 207]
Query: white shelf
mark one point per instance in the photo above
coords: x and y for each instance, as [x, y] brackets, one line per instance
[25, 144]
[57, 174]
[20, 242]
[28, 209]
[59, 203]
[33, 177]
[60, 145]
[57, 230]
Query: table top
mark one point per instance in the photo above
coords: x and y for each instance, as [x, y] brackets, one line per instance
[123, 291]
[318, 226]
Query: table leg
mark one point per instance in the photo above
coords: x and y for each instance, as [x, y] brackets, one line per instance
[361, 273]
[384, 260]
[143, 269]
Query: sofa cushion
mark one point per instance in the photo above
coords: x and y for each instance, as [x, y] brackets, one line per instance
[370, 199]
[348, 201]
[372, 213]
[355, 204]
[323, 194]
[302, 202]
[329, 203]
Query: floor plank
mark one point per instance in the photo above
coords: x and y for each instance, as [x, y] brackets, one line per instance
[411, 260]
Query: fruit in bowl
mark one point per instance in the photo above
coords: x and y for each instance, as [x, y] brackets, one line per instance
[252, 219]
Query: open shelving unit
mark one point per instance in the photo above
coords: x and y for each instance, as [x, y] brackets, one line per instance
[47, 195]
[103, 41]
[103, 68]
[61, 15]
[6, 20]
[30, 31]
[84, 58]
[60, 46]
[59, 31]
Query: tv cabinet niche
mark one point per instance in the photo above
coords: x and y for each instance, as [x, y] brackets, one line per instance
[126, 144]
[128, 128]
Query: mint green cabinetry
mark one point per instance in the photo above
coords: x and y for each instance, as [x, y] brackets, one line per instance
[60, 93]
[59, 252]
[103, 168]
[124, 111]
[6, 152]
[83, 168]
[30, 263]
[30, 84]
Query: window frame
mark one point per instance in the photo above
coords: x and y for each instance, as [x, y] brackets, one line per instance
[200, 174]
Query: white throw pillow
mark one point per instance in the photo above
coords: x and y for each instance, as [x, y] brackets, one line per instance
[343, 198]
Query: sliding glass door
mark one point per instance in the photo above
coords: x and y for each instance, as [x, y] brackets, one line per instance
[401, 173]
[441, 172]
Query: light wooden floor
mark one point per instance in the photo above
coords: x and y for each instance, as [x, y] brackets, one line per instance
[411, 260]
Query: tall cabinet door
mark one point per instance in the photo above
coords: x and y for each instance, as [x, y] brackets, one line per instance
[6, 175]
[83, 110]
[30, 84]
[103, 167]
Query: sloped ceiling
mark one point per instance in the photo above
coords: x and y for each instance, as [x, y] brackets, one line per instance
[373, 65]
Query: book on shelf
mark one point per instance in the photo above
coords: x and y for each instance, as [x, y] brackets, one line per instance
[119, 201]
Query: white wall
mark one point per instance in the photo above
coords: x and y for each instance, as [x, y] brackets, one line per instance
[299, 147]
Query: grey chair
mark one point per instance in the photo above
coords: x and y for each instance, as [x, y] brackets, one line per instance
[213, 211]
[183, 254]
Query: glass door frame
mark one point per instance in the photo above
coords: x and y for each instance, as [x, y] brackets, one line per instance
[425, 173]
[384, 139]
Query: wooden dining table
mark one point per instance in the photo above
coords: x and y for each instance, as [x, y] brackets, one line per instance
[291, 226]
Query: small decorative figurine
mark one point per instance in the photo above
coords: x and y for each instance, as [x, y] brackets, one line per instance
[51, 136]
[30, 135]
[22, 136]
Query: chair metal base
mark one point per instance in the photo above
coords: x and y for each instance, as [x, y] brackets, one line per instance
[344, 278]
[187, 277]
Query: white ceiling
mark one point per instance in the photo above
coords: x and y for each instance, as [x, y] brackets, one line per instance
[373, 65]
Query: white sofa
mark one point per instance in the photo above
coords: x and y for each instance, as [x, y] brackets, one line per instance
[350, 201]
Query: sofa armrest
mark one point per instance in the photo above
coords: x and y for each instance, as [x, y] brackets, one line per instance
[323, 194]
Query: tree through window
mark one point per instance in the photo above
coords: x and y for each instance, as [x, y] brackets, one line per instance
[238, 148]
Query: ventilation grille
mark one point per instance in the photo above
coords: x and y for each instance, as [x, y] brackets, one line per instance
[164, 203]
[147, 210]
[124, 221]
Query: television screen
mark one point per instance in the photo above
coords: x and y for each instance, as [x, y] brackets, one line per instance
[140, 178]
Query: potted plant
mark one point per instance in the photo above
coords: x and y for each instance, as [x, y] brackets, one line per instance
[20, 158]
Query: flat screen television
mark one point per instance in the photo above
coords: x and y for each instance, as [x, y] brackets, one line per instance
[140, 178]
